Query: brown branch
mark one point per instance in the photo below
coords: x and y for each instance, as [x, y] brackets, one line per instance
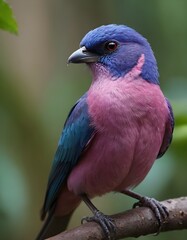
[133, 223]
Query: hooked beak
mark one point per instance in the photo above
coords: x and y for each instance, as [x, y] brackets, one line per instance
[82, 55]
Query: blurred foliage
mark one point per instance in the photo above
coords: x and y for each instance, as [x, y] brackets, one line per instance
[7, 20]
[37, 90]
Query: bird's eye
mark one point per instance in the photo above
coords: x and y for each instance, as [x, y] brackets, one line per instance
[111, 46]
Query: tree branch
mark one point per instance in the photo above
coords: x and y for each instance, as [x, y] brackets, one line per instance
[133, 223]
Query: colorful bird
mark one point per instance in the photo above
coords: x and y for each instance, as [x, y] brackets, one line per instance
[113, 133]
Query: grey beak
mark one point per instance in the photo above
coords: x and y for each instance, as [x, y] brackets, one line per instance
[82, 55]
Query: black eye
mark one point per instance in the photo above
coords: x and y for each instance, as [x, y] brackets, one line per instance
[111, 46]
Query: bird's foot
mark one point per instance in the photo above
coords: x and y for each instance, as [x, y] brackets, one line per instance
[160, 211]
[107, 224]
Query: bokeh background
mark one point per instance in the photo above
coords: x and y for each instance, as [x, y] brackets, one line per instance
[37, 89]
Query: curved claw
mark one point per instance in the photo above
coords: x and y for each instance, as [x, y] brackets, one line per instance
[160, 211]
[107, 224]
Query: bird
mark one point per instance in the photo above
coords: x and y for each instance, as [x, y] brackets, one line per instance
[114, 132]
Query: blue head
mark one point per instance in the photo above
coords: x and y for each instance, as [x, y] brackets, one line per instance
[117, 48]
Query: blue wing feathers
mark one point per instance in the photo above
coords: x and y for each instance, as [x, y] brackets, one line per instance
[168, 131]
[76, 134]
[172, 121]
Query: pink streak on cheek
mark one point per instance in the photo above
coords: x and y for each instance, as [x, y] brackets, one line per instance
[140, 63]
[136, 70]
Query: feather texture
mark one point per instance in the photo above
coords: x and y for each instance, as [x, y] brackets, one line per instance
[76, 134]
[115, 131]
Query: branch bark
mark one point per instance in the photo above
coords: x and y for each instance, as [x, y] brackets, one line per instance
[133, 223]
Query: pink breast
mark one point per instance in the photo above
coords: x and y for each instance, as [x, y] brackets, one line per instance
[129, 118]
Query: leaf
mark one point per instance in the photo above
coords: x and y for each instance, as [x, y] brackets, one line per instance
[7, 20]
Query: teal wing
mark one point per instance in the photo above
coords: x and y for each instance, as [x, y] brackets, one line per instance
[75, 136]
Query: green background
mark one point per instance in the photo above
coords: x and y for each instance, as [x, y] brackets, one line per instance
[37, 89]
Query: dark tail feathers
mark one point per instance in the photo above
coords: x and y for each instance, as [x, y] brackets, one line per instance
[53, 225]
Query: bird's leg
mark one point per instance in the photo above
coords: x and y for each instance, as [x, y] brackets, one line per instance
[107, 224]
[160, 211]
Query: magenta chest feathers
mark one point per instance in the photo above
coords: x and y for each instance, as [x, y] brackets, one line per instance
[129, 118]
[117, 105]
